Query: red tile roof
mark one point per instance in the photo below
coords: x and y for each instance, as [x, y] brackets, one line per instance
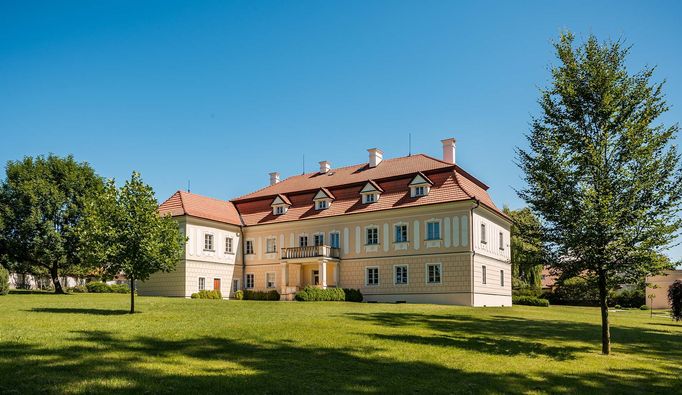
[185, 203]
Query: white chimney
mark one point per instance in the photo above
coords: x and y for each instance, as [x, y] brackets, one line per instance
[449, 150]
[325, 166]
[274, 178]
[375, 157]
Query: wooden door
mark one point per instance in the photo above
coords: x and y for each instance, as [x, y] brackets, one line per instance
[216, 284]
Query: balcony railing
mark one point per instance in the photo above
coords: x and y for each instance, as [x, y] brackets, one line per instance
[323, 251]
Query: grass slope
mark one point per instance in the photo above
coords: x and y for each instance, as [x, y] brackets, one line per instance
[87, 343]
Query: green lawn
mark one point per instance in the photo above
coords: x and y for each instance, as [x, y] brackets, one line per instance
[87, 343]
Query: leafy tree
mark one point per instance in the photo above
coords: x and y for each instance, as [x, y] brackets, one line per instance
[41, 204]
[526, 247]
[4, 281]
[675, 298]
[601, 171]
[124, 233]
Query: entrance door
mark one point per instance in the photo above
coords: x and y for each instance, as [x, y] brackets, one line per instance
[216, 284]
[316, 277]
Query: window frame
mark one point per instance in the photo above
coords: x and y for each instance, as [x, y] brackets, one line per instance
[484, 275]
[375, 238]
[253, 281]
[201, 286]
[274, 280]
[249, 248]
[406, 275]
[274, 245]
[367, 276]
[501, 241]
[229, 245]
[484, 233]
[338, 239]
[428, 273]
[322, 204]
[301, 238]
[369, 198]
[406, 232]
[209, 242]
[317, 236]
[501, 277]
[279, 210]
[428, 225]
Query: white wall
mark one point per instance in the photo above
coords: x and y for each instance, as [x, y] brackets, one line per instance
[494, 225]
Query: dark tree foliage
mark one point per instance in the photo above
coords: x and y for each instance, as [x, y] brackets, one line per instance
[527, 253]
[675, 298]
[601, 170]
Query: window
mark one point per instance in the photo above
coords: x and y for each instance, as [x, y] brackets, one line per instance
[208, 242]
[228, 245]
[369, 198]
[419, 191]
[501, 241]
[483, 275]
[271, 245]
[318, 239]
[433, 273]
[433, 230]
[250, 280]
[334, 239]
[483, 234]
[372, 236]
[303, 241]
[372, 276]
[401, 274]
[401, 233]
[249, 247]
[235, 285]
[279, 210]
[202, 283]
[501, 278]
[321, 204]
[270, 280]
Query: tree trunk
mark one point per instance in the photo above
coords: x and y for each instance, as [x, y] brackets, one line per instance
[605, 330]
[54, 273]
[132, 294]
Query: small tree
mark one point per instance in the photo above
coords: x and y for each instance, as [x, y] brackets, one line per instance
[41, 205]
[675, 298]
[651, 297]
[527, 255]
[125, 233]
[4, 281]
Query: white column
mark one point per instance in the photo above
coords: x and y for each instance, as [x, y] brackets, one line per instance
[285, 276]
[323, 274]
[336, 274]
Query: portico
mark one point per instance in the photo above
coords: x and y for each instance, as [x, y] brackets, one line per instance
[302, 266]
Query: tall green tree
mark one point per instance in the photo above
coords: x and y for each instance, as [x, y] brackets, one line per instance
[601, 170]
[41, 204]
[527, 253]
[124, 232]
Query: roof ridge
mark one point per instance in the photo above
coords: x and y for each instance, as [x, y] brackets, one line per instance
[204, 196]
[471, 196]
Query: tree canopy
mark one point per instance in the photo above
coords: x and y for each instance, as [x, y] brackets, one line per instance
[41, 204]
[600, 167]
[123, 232]
[527, 253]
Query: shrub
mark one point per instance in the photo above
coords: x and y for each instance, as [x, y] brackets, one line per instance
[309, 294]
[98, 287]
[120, 288]
[628, 298]
[532, 292]
[206, 294]
[675, 298]
[78, 289]
[261, 295]
[576, 291]
[353, 295]
[239, 295]
[530, 301]
[644, 307]
[617, 307]
[4, 281]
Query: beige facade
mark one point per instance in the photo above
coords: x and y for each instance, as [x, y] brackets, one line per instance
[662, 283]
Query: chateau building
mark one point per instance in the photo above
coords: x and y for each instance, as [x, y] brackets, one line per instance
[412, 229]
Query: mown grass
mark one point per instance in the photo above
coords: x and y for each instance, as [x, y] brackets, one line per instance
[88, 344]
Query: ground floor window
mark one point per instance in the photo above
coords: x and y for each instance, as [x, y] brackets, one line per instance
[502, 278]
[484, 280]
[270, 280]
[372, 276]
[250, 280]
[400, 274]
[316, 277]
[433, 273]
[235, 285]
[202, 283]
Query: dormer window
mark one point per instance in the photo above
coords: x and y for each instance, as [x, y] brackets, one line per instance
[370, 192]
[280, 205]
[420, 185]
[323, 199]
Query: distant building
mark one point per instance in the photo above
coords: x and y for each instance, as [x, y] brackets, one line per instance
[663, 282]
[410, 229]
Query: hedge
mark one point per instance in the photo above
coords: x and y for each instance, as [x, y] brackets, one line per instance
[4, 281]
[78, 289]
[309, 294]
[100, 287]
[530, 301]
[239, 295]
[260, 295]
[206, 294]
[353, 295]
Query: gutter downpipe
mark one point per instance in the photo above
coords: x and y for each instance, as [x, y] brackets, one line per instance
[473, 250]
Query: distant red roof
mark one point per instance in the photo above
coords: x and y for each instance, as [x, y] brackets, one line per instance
[185, 203]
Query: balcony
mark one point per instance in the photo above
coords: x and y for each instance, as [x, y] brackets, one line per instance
[323, 251]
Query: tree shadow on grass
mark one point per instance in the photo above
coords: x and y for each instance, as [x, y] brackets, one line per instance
[98, 362]
[74, 310]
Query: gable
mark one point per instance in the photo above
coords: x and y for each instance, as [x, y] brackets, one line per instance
[371, 187]
[322, 194]
[420, 179]
[280, 200]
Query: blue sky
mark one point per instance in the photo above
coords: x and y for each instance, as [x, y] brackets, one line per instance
[222, 93]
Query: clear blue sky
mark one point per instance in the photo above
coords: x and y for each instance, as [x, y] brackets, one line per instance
[224, 92]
